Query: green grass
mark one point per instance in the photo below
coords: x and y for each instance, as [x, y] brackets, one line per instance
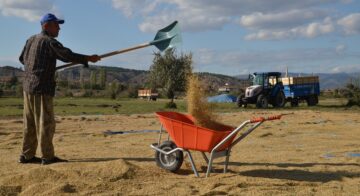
[78, 106]
[101, 106]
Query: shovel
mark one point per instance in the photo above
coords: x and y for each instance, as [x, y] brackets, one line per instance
[166, 37]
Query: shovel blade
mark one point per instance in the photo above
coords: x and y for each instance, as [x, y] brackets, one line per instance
[167, 37]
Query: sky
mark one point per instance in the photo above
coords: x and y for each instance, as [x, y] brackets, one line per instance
[228, 37]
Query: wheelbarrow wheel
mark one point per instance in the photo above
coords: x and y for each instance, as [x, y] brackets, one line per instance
[171, 162]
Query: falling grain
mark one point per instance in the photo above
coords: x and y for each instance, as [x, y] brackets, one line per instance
[198, 106]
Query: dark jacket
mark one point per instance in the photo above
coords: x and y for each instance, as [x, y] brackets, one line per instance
[39, 58]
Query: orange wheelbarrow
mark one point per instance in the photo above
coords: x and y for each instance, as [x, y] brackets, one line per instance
[186, 136]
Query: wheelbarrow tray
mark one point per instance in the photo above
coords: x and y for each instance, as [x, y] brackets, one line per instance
[187, 135]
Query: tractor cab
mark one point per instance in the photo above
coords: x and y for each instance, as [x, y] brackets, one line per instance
[266, 88]
[265, 79]
[263, 83]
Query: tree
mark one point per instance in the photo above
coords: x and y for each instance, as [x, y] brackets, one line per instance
[170, 71]
[113, 89]
[102, 78]
[69, 79]
[132, 90]
[82, 80]
[19, 90]
[13, 80]
[93, 79]
[352, 92]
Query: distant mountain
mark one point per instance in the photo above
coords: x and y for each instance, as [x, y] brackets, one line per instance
[121, 75]
[140, 77]
[214, 81]
[8, 71]
[338, 80]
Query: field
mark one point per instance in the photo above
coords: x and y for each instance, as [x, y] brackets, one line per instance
[13, 107]
[314, 151]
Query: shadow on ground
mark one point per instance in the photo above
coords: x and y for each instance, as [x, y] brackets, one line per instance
[293, 164]
[299, 175]
[113, 159]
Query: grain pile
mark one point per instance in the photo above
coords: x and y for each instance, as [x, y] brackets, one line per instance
[198, 107]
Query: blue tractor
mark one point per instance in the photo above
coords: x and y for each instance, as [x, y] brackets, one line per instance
[266, 89]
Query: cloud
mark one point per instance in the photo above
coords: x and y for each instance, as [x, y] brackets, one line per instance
[298, 60]
[134, 7]
[281, 20]
[351, 24]
[30, 10]
[190, 22]
[340, 49]
[204, 56]
[352, 68]
[264, 19]
[203, 15]
[192, 17]
[308, 31]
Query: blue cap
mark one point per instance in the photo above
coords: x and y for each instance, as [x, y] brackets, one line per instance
[50, 17]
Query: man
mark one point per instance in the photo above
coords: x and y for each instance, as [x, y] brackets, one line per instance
[39, 59]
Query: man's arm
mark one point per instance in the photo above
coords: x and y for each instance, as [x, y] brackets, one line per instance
[66, 55]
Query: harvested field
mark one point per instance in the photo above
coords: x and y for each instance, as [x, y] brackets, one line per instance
[308, 153]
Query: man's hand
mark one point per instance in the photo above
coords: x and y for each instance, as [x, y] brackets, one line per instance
[94, 58]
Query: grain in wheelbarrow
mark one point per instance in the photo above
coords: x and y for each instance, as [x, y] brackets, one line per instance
[198, 107]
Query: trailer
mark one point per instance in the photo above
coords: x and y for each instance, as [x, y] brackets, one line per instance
[298, 89]
[148, 94]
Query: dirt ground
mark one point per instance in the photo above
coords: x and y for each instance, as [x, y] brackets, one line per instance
[307, 153]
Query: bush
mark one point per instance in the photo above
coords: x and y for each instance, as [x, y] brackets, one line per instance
[237, 92]
[88, 93]
[352, 103]
[113, 90]
[19, 90]
[132, 91]
[68, 93]
[352, 93]
[113, 95]
[170, 105]
[62, 84]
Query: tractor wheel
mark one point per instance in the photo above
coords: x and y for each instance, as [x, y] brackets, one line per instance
[294, 102]
[312, 100]
[171, 162]
[262, 101]
[239, 100]
[280, 99]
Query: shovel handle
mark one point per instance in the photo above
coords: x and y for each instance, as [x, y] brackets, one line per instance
[261, 119]
[108, 54]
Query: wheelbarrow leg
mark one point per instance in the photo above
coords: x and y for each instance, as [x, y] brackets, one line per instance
[206, 159]
[226, 160]
[192, 163]
[209, 165]
[159, 139]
